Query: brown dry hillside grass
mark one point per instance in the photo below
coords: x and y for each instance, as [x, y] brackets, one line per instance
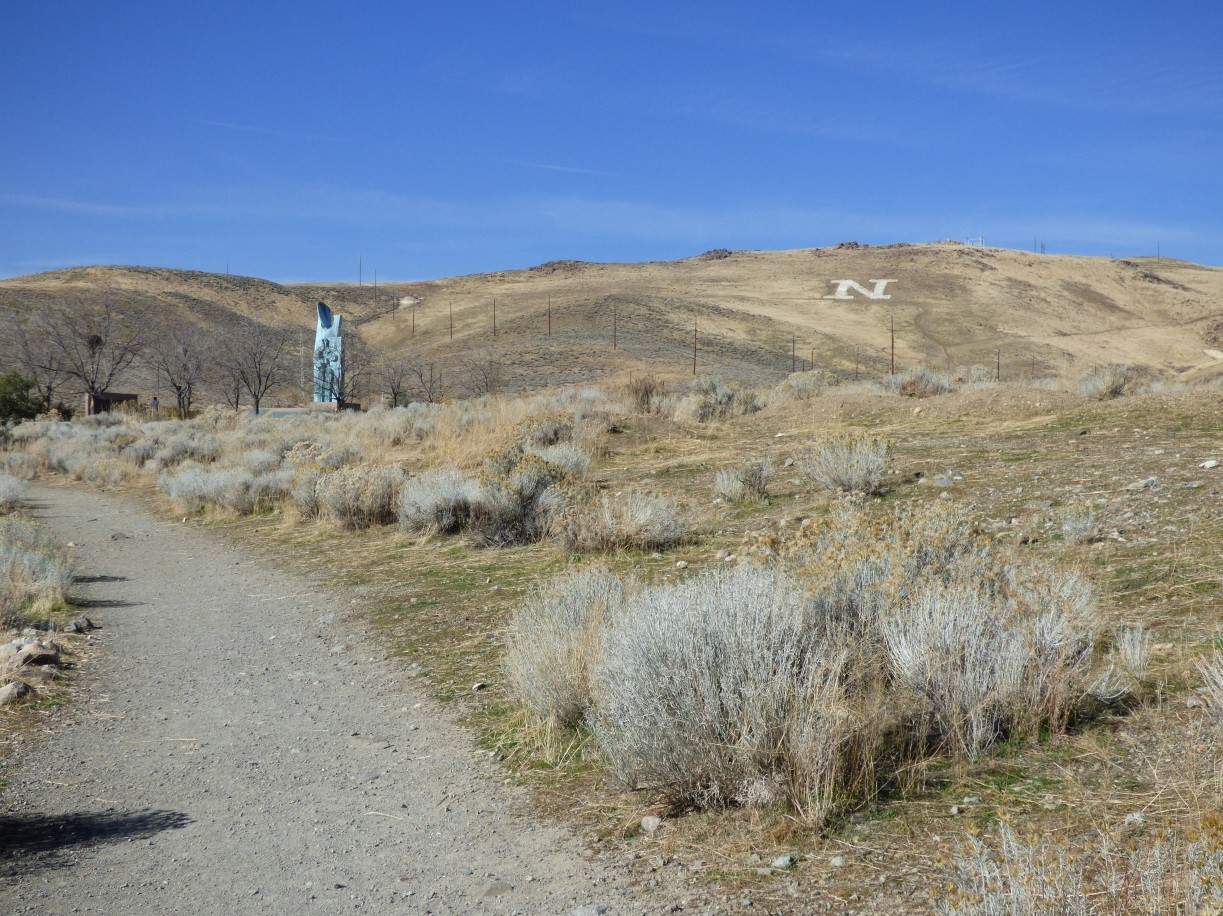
[754, 311]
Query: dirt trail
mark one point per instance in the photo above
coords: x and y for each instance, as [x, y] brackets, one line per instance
[229, 757]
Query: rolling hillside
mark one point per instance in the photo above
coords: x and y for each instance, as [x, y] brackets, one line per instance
[756, 312]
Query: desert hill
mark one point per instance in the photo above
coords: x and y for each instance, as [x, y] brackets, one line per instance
[756, 313]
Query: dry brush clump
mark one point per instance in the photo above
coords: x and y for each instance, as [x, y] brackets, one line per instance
[12, 492]
[361, 496]
[520, 497]
[553, 642]
[852, 650]
[852, 464]
[644, 393]
[920, 382]
[35, 570]
[748, 483]
[438, 502]
[1114, 381]
[624, 521]
[710, 399]
[1046, 878]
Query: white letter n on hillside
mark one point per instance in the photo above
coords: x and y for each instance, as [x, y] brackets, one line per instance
[844, 286]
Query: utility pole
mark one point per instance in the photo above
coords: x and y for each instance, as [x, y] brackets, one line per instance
[893, 320]
[793, 361]
[360, 269]
[615, 323]
[494, 317]
[413, 317]
[998, 365]
[549, 316]
[694, 348]
[375, 289]
[452, 319]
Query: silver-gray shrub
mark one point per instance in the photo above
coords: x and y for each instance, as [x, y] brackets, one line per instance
[303, 490]
[709, 399]
[34, 567]
[744, 484]
[1041, 878]
[193, 444]
[850, 464]
[438, 502]
[952, 646]
[708, 686]
[517, 506]
[634, 521]
[361, 496]
[554, 639]
[1078, 524]
[565, 455]
[194, 487]
[1114, 381]
[12, 492]
[920, 382]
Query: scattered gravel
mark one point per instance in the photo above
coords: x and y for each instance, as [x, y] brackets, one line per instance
[209, 768]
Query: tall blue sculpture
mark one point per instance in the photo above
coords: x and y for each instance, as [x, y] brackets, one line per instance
[328, 357]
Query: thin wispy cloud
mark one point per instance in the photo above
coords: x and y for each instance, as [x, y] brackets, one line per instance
[568, 169]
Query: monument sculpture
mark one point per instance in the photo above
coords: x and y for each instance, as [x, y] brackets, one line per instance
[328, 357]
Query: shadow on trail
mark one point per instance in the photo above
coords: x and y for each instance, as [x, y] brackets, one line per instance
[87, 580]
[105, 602]
[35, 841]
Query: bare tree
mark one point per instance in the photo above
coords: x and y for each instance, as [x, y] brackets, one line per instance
[394, 377]
[484, 371]
[252, 358]
[410, 375]
[428, 381]
[360, 368]
[180, 351]
[87, 344]
[30, 354]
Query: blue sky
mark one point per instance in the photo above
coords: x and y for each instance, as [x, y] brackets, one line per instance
[286, 140]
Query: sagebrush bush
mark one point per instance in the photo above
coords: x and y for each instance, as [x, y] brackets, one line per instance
[709, 399]
[745, 484]
[644, 391]
[851, 464]
[633, 520]
[1114, 381]
[800, 386]
[1043, 878]
[913, 637]
[12, 492]
[438, 502]
[566, 456]
[921, 382]
[519, 501]
[1078, 524]
[553, 641]
[360, 496]
[35, 570]
[706, 687]
[194, 488]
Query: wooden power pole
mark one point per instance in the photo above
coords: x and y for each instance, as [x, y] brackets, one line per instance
[893, 321]
[694, 348]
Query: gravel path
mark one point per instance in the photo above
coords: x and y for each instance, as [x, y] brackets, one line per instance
[225, 760]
